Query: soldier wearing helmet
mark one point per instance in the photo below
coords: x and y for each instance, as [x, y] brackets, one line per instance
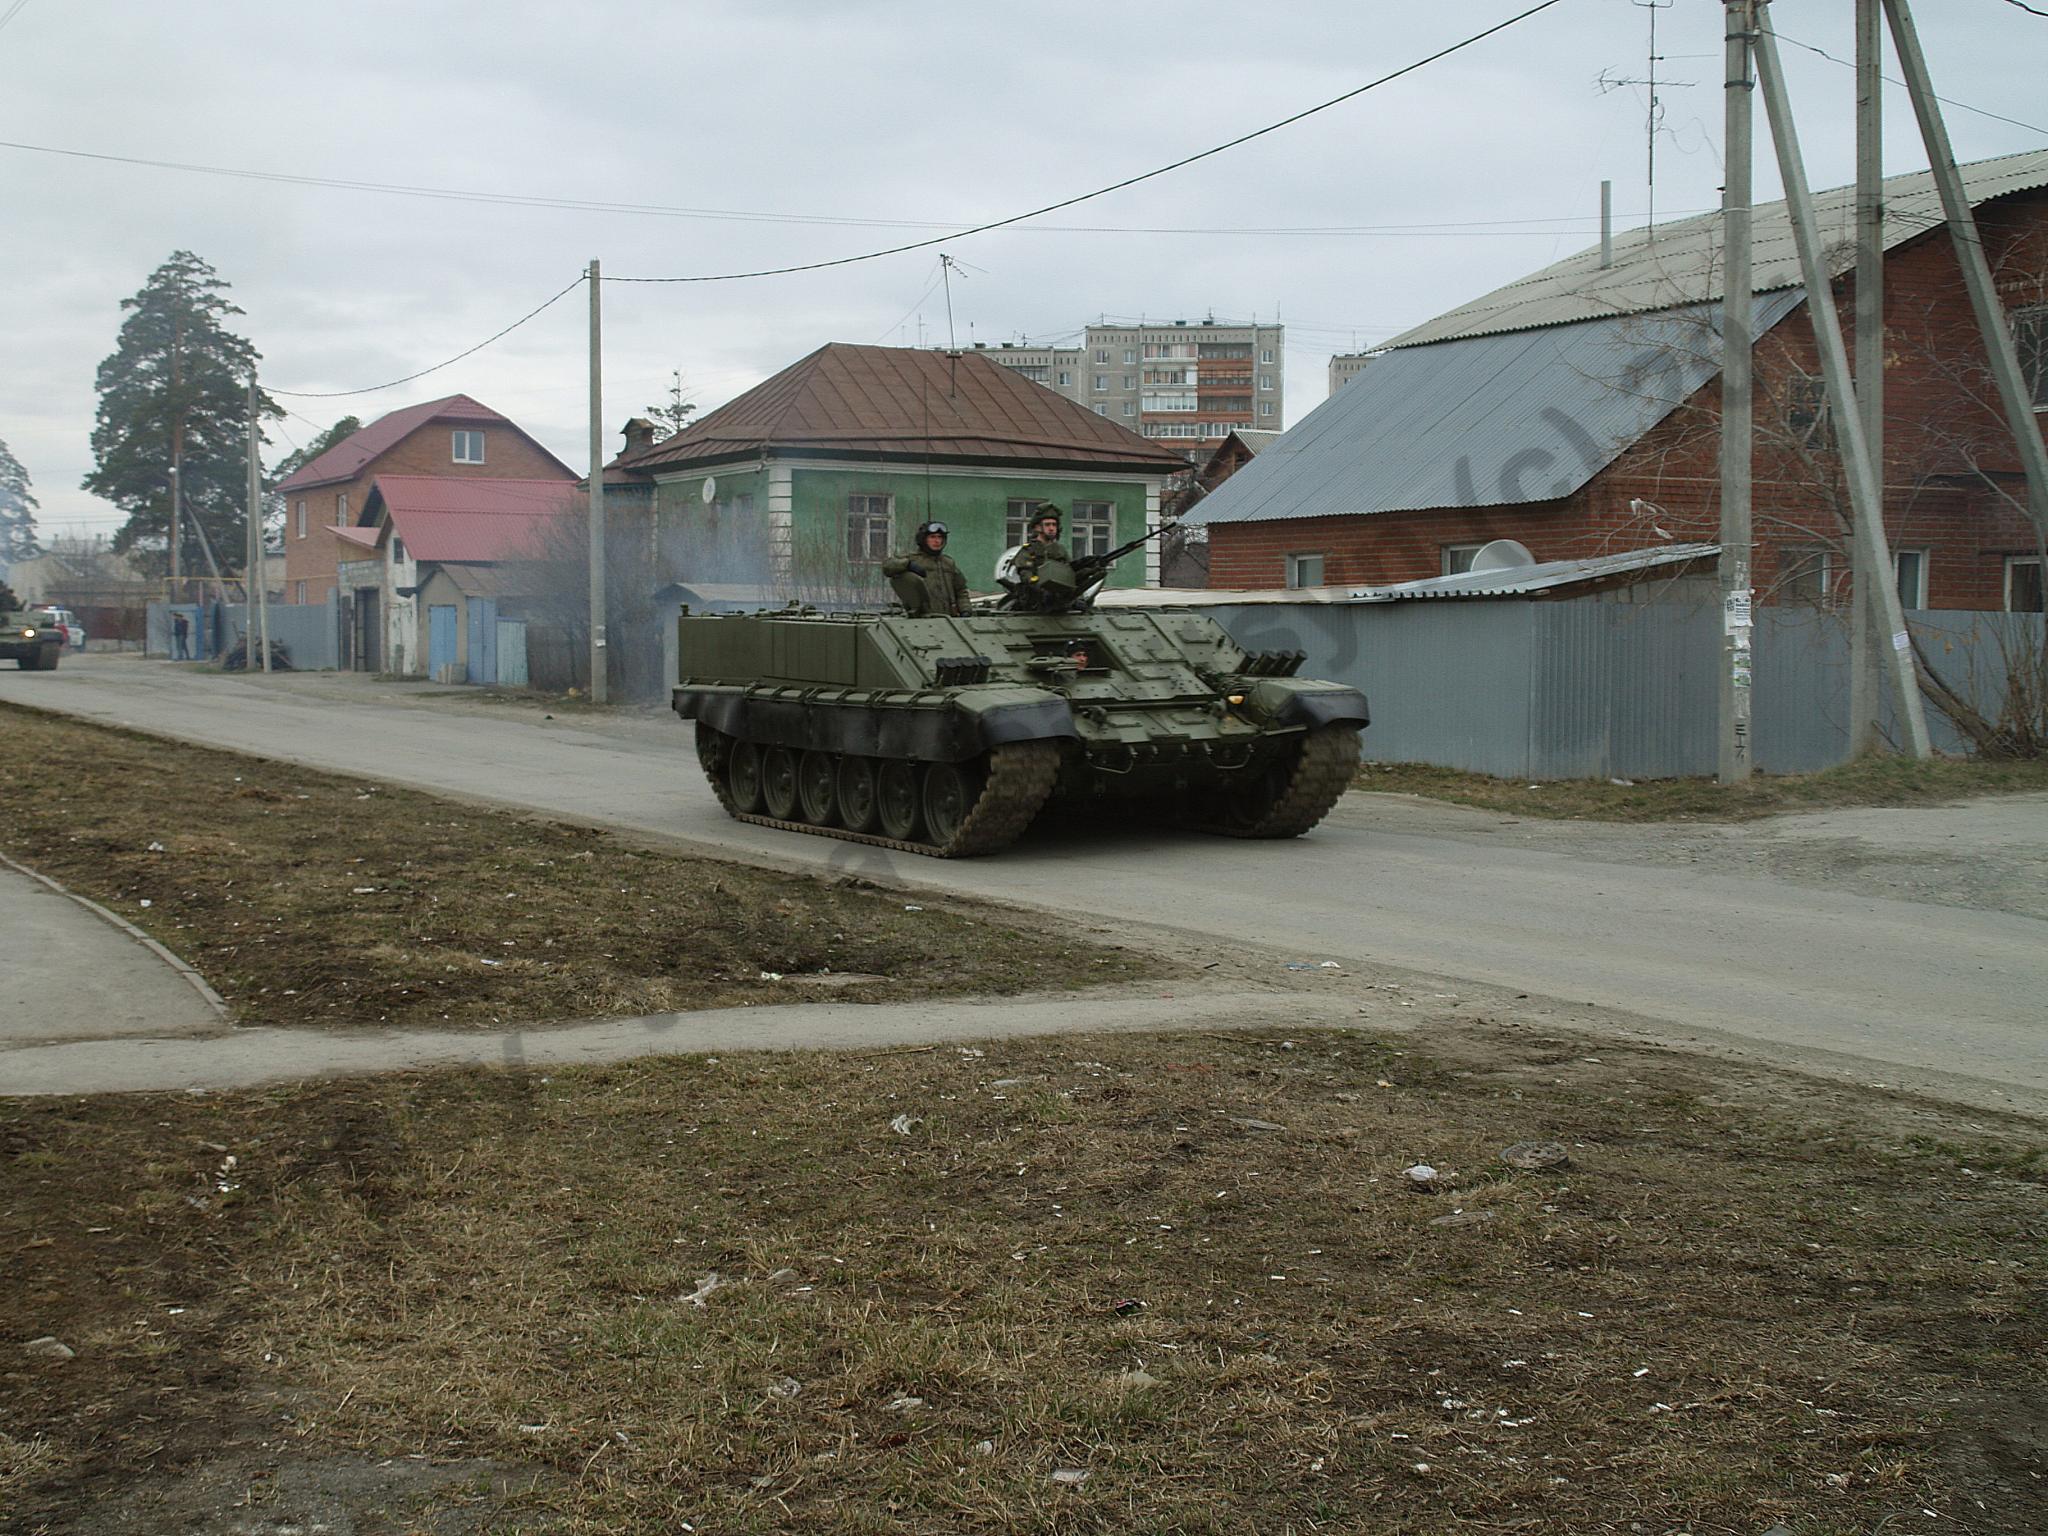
[926, 581]
[1043, 546]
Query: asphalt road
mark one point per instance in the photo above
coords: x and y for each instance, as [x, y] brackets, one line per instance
[1915, 995]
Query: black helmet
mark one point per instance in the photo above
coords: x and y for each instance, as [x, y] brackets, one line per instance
[927, 528]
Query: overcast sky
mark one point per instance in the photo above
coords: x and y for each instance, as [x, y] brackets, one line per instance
[1468, 173]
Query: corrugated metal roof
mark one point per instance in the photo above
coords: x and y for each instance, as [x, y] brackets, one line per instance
[1511, 581]
[1484, 422]
[449, 518]
[1681, 263]
[1544, 576]
[906, 403]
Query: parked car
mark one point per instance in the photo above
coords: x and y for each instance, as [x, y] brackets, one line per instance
[65, 620]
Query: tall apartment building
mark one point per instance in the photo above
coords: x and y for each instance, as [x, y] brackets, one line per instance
[1345, 366]
[1186, 383]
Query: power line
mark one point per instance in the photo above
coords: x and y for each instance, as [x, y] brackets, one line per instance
[1947, 101]
[336, 394]
[12, 11]
[2022, 4]
[1116, 186]
[753, 216]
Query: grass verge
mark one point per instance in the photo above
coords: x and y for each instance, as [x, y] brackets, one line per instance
[309, 899]
[1083, 1285]
[1872, 781]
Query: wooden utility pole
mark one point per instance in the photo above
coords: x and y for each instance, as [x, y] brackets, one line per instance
[1841, 393]
[597, 614]
[1864, 637]
[1737, 749]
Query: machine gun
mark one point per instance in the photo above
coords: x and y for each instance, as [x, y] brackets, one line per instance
[1055, 587]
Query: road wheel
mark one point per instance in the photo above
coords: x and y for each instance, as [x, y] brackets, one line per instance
[858, 793]
[816, 787]
[948, 796]
[778, 782]
[897, 800]
[1249, 804]
[743, 777]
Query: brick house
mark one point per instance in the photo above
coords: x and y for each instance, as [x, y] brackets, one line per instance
[456, 436]
[805, 483]
[1577, 412]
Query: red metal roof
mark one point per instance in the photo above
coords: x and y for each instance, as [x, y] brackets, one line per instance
[452, 518]
[905, 403]
[348, 458]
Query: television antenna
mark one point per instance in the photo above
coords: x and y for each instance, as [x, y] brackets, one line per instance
[1653, 116]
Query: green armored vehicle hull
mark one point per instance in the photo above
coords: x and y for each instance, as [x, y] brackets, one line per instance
[30, 640]
[947, 735]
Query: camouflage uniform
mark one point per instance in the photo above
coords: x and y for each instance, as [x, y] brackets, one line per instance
[944, 588]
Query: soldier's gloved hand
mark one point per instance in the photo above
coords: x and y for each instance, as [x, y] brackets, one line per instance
[915, 569]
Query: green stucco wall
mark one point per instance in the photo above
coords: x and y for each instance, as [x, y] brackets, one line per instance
[973, 507]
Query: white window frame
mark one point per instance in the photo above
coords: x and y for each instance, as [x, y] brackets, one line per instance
[1265, 407]
[1913, 593]
[397, 550]
[1303, 564]
[1066, 379]
[1266, 355]
[341, 509]
[1130, 407]
[1017, 514]
[1091, 528]
[1265, 381]
[301, 586]
[1798, 563]
[1130, 356]
[1102, 384]
[2015, 563]
[1102, 410]
[301, 524]
[1456, 559]
[870, 527]
[460, 440]
[1102, 356]
[2030, 341]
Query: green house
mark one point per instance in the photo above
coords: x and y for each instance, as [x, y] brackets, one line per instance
[801, 487]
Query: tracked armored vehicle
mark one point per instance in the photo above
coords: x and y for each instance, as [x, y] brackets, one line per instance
[947, 735]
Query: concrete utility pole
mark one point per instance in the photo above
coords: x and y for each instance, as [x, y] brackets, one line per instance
[1962, 229]
[1864, 636]
[256, 620]
[1737, 598]
[597, 645]
[1834, 364]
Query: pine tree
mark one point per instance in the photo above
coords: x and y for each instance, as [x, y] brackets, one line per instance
[176, 388]
[17, 511]
[671, 418]
[293, 462]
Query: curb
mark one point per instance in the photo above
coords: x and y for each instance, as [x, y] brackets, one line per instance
[192, 978]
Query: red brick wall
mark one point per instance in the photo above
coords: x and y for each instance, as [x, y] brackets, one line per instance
[1941, 417]
[427, 450]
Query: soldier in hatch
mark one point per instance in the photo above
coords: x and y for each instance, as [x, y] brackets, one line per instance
[926, 581]
[1044, 544]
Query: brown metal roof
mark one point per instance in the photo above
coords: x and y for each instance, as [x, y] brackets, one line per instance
[347, 458]
[906, 403]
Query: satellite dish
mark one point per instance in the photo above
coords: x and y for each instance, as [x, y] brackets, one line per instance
[710, 488]
[1501, 555]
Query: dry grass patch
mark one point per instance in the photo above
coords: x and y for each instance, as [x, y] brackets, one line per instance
[307, 898]
[1872, 781]
[1068, 1285]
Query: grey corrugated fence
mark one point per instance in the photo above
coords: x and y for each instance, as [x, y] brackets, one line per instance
[1594, 688]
